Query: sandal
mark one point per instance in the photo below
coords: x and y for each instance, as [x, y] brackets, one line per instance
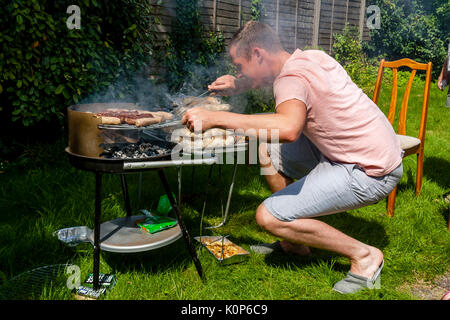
[267, 248]
[354, 283]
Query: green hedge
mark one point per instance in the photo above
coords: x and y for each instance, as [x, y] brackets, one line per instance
[193, 58]
[45, 66]
[348, 51]
[413, 29]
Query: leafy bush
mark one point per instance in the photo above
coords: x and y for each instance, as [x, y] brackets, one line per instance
[348, 51]
[409, 31]
[45, 66]
[193, 57]
[257, 10]
[259, 100]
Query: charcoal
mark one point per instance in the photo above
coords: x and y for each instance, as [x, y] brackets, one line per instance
[140, 150]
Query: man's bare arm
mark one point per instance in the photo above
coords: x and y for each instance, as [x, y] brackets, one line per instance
[288, 119]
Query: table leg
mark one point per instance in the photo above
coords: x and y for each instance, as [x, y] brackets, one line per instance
[186, 236]
[98, 209]
[125, 195]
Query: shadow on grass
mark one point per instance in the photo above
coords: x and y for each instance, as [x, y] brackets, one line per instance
[445, 211]
[369, 232]
[436, 169]
[173, 256]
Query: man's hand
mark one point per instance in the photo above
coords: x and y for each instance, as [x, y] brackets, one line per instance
[439, 84]
[198, 119]
[223, 86]
[229, 85]
[443, 75]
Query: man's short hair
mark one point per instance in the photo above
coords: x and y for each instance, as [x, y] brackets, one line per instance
[255, 34]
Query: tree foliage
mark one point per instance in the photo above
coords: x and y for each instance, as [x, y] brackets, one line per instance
[348, 51]
[193, 57]
[411, 29]
[45, 66]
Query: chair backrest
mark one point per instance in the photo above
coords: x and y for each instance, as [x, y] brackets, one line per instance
[414, 66]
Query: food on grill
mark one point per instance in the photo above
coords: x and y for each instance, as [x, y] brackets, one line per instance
[142, 120]
[208, 103]
[212, 138]
[164, 115]
[190, 101]
[223, 250]
[110, 120]
[138, 118]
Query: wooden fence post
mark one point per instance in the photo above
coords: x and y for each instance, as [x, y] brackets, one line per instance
[316, 21]
[214, 15]
[277, 16]
[331, 26]
[296, 24]
[239, 13]
[362, 13]
[346, 12]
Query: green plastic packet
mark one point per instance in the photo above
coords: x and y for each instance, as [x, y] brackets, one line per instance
[164, 206]
[154, 223]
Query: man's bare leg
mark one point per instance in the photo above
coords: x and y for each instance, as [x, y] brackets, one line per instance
[277, 181]
[364, 259]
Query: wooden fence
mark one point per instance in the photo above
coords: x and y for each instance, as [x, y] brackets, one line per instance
[299, 23]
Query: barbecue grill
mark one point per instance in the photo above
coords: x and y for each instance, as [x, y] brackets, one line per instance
[92, 147]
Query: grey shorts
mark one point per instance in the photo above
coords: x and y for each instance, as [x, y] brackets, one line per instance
[323, 186]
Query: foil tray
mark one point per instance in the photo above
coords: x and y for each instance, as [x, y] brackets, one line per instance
[236, 258]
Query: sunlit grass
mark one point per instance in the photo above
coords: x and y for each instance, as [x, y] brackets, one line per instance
[44, 193]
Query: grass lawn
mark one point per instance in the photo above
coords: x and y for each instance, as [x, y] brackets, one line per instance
[43, 193]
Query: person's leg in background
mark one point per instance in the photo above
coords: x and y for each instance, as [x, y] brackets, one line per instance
[447, 103]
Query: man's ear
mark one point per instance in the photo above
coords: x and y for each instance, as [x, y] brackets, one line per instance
[258, 54]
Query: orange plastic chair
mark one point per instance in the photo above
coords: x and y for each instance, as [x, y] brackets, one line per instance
[411, 145]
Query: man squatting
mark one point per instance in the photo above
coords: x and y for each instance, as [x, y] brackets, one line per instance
[338, 151]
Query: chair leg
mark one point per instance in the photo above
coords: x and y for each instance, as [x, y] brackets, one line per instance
[391, 202]
[419, 173]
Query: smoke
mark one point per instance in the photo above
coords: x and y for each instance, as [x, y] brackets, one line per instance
[200, 77]
[138, 88]
[142, 89]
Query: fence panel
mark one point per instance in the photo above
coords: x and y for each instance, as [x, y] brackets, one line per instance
[299, 23]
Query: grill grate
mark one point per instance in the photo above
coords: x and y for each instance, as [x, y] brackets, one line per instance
[31, 283]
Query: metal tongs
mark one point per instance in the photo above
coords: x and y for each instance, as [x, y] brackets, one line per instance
[206, 92]
[178, 114]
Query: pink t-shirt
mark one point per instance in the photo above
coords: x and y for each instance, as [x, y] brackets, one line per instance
[341, 120]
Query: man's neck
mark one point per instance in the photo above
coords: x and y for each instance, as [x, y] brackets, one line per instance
[279, 60]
